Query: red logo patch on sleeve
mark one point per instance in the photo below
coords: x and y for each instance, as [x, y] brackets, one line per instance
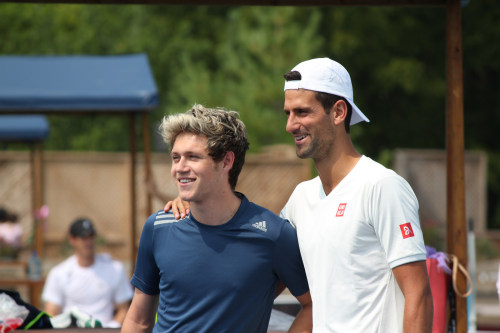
[406, 230]
[341, 209]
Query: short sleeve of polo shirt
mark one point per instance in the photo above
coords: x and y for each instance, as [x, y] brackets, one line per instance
[146, 275]
[394, 212]
[288, 263]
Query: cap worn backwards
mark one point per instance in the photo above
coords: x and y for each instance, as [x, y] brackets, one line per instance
[327, 76]
[82, 227]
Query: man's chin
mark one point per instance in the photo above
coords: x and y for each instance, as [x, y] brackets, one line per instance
[302, 154]
[185, 197]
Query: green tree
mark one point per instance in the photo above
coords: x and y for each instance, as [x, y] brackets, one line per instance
[253, 40]
[235, 56]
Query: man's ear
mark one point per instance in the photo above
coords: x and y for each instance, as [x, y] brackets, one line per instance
[339, 112]
[228, 161]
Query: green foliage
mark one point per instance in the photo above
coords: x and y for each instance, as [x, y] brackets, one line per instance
[481, 33]
[433, 237]
[493, 191]
[486, 249]
[90, 132]
[235, 56]
[396, 59]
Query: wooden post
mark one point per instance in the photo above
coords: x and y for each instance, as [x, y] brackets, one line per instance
[132, 203]
[37, 190]
[147, 160]
[456, 221]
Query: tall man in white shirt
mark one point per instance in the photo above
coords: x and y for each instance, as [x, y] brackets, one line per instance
[357, 222]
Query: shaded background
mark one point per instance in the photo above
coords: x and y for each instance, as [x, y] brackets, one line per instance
[235, 57]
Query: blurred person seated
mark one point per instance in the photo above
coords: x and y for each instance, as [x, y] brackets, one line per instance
[11, 233]
[92, 283]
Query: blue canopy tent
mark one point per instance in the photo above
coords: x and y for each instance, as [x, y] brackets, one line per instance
[31, 130]
[23, 128]
[79, 85]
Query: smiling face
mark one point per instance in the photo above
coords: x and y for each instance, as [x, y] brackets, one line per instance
[312, 128]
[197, 175]
[84, 247]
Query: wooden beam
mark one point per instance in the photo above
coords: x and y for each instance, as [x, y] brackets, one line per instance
[132, 184]
[147, 161]
[456, 220]
[37, 193]
[250, 2]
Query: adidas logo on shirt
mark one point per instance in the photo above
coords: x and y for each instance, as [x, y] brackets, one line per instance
[260, 225]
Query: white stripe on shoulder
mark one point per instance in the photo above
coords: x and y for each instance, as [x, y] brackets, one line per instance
[162, 218]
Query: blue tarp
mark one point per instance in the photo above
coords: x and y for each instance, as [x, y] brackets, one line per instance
[76, 83]
[23, 127]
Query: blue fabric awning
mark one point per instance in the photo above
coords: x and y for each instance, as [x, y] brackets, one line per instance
[23, 128]
[76, 83]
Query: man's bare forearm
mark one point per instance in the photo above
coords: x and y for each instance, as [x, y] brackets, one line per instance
[303, 321]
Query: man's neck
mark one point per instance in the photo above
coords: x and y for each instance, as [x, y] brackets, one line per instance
[85, 261]
[333, 169]
[216, 210]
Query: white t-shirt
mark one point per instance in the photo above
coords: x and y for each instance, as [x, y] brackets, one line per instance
[350, 240]
[94, 290]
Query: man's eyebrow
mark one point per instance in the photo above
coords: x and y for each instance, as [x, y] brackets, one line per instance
[196, 152]
[300, 108]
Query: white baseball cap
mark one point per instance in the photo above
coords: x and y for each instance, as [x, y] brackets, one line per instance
[328, 76]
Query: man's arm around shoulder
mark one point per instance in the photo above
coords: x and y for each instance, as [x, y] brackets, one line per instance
[414, 282]
[303, 321]
[141, 314]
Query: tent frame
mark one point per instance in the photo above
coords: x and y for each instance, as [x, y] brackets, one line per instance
[36, 172]
[35, 145]
[36, 161]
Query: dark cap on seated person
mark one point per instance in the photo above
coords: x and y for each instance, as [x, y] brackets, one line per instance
[82, 227]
